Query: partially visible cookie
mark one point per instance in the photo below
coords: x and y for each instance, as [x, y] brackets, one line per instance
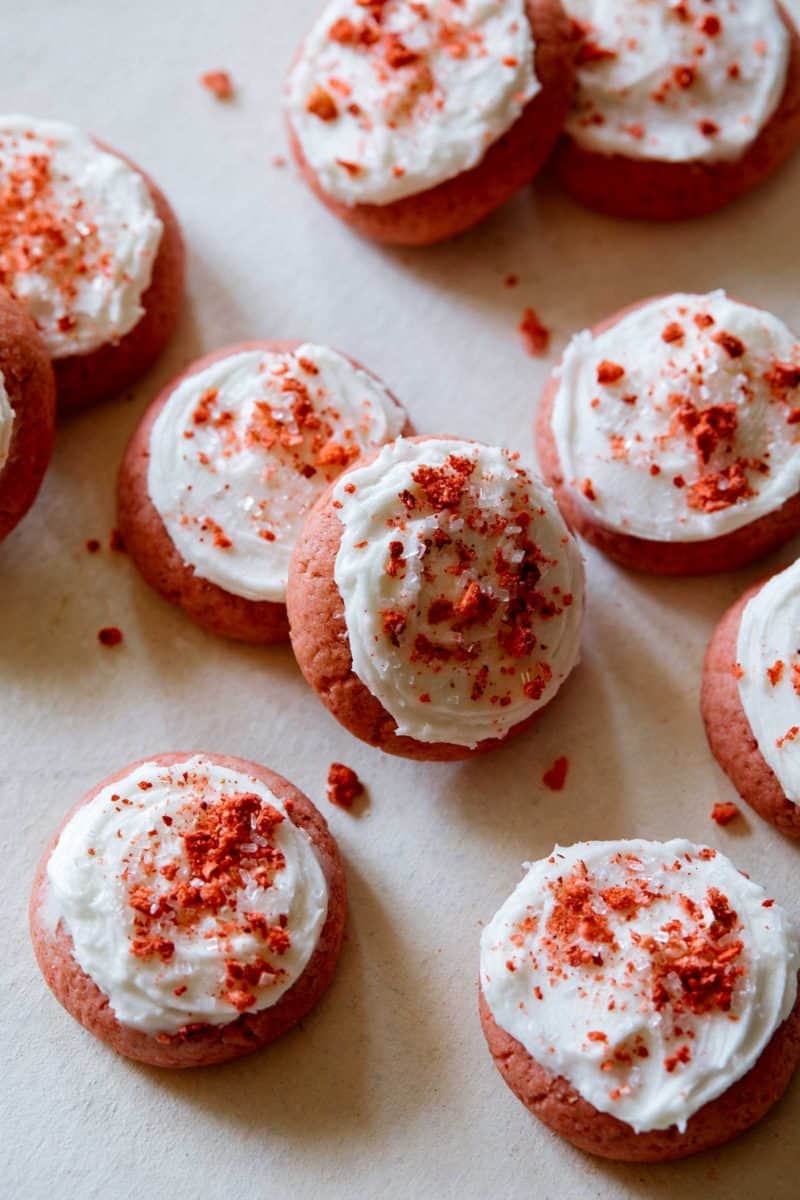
[750, 698]
[27, 413]
[93, 250]
[668, 434]
[435, 598]
[228, 459]
[190, 909]
[413, 122]
[679, 110]
[640, 998]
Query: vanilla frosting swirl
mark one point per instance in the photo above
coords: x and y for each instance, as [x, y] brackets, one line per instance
[6, 423]
[462, 588]
[163, 945]
[676, 82]
[680, 422]
[650, 975]
[242, 449]
[768, 674]
[388, 100]
[79, 234]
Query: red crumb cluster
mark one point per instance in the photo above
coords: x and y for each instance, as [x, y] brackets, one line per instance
[681, 85]
[54, 237]
[296, 422]
[535, 335]
[556, 776]
[219, 83]
[410, 91]
[344, 786]
[725, 473]
[224, 842]
[689, 968]
[481, 613]
[109, 636]
[725, 812]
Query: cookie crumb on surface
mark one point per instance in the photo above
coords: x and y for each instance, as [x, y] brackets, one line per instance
[219, 83]
[109, 636]
[723, 814]
[535, 335]
[344, 786]
[556, 776]
[92, 546]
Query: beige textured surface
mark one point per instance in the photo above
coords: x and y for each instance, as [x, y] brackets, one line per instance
[388, 1091]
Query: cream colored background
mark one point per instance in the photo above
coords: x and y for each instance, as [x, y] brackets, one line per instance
[388, 1091]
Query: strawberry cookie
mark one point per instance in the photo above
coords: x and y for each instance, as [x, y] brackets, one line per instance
[190, 909]
[435, 598]
[641, 997]
[91, 247]
[750, 698]
[412, 122]
[670, 434]
[228, 459]
[680, 108]
[27, 413]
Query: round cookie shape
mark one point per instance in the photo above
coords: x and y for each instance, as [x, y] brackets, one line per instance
[190, 909]
[228, 459]
[91, 247]
[435, 598]
[412, 123]
[669, 434]
[641, 997]
[27, 413]
[750, 698]
[678, 110]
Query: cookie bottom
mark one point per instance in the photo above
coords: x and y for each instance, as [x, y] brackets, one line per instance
[559, 1106]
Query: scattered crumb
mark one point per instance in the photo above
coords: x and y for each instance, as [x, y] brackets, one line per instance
[109, 636]
[117, 542]
[219, 83]
[93, 545]
[556, 776]
[535, 335]
[344, 786]
[723, 814]
[511, 281]
[279, 160]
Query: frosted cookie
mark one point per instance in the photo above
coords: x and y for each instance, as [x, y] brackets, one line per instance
[190, 909]
[412, 122]
[750, 698]
[641, 997]
[680, 108]
[27, 413]
[229, 458]
[90, 245]
[669, 434]
[435, 598]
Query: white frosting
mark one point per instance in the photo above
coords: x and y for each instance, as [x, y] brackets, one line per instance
[92, 873]
[600, 991]
[768, 657]
[373, 132]
[6, 423]
[79, 234]
[677, 82]
[694, 440]
[242, 449]
[477, 621]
